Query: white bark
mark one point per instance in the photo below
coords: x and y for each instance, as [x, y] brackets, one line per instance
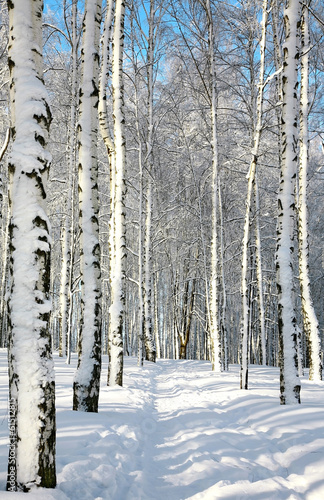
[223, 284]
[309, 316]
[141, 317]
[278, 67]
[87, 377]
[156, 316]
[150, 348]
[104, 78]
[117, 308]
[289, 379]
[68, 219]
[105, 126]
[247, 221]
[4, 279]
[215, 340]
[31, 371]
[260, 274]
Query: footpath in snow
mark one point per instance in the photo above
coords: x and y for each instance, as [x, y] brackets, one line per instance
[177, 431]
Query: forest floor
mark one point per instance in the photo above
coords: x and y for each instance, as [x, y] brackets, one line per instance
[177, 431]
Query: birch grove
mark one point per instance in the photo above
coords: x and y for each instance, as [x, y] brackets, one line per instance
[161, 197]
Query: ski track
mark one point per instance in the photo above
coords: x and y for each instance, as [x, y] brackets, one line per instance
[177, 431]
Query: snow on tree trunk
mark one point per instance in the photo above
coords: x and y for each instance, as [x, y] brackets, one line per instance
[86, 383]
[117, 307]
[309, 316]
[289, 379]
[215, 340]
[31, 372]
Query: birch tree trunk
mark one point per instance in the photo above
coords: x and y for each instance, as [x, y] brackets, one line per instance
[4, 225]
[289, 379]
[86, 383]
[247, 222]
[5, 284]
[141, 312]
[278, 66]
[309, 316]
[156, 314]
[68, 221]
[117, 308]
[215, 340]
[223, 327]
[150, 347]
[104, 124]
[259, 274]
[31, 372]
[140, 315]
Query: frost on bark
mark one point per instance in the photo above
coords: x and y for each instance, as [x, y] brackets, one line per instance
[86, 383]
[310, 322]
[117, 307]
[289, 379]
[31, 372]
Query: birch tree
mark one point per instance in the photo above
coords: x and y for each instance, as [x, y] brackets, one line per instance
[150, 348]
[105, 124]
[68, 223]
[247, 221]
[309, 316]
[117, 226]
[289, 379]
[215, 338]
[86, 382]
[140, 285]
[31, 374]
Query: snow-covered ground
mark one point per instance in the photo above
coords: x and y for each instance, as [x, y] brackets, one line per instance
[178, 431]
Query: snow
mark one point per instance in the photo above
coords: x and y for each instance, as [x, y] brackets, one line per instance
[176, 431]
[28, 298]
